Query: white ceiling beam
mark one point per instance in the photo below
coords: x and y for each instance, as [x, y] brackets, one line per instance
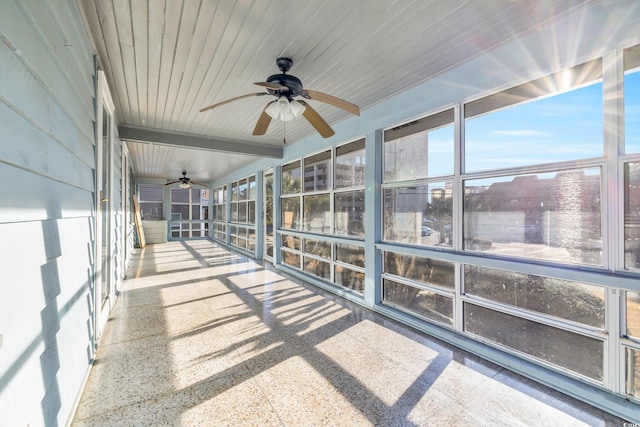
[135, 134]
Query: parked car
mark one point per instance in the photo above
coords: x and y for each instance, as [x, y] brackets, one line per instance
[427, 231]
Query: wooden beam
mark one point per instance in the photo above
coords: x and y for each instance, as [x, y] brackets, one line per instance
[130, 133]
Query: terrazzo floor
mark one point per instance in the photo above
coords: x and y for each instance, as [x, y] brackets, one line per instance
[201, 336]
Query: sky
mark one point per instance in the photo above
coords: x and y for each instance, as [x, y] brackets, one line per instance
[568, 126]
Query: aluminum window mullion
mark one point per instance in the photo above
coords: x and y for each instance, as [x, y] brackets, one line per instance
[613, 210]
[349, 266]
[457, 216]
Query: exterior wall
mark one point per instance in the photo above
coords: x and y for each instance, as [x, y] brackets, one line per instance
[47, 210]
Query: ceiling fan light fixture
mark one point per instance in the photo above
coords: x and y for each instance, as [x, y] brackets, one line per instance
[296, 108]
[285, 110]
[273, 110]
[185, 185]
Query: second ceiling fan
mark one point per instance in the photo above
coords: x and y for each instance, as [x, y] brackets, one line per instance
[285, 88]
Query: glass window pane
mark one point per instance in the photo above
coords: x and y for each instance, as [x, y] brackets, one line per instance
[632, 215]
[525, 126]
[317, 213]
[234, 212]
[217, 196]
[179, 195]
[350, 164]
[252, 187]
[632, 100]
[291, 259]
[350, 254]
[196, 195]
[151, 210]
[291, 180]
[242, 212]
[420, 149]
[234, 191]
[318, 268]
[349, 278]
[633, 314]
[292, 242]
[179, 212]
[554, 216]
[426, 304]
[151, 193]
[419, 214]
[251, 214]
[291, 213]
[578, 353]
[426, 270]
[317, 247]
[317, 172]
[242, 189]
[632, 382]
[195, 212]
[573, 301]
[349, 213]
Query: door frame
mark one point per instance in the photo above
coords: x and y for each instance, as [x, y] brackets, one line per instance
[102, 309]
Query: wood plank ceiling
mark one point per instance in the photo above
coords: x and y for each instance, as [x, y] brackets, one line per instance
[166, 59]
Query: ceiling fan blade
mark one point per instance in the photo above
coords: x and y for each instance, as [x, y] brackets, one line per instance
[231, 100]
[273, 86]
[172, 182]
[316, 121]
[263, 122]
[197, 183]
[332, 100]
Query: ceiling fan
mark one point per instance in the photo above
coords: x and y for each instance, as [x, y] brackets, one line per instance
[285, 87]
[184, 181]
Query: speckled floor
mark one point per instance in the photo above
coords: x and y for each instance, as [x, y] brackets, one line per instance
[201, 336]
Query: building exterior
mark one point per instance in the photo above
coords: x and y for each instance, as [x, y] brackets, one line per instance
[526, 254]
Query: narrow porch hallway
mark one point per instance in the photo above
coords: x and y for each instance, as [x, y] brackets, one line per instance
[203, 336]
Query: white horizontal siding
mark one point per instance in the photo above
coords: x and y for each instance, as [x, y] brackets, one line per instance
[47, 209]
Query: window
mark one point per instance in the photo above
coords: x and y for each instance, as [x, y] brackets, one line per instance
[219, 213]
[420, 149]
[419, 285]
[243, 211]
[320, 199]
[349, 171]
[552, 119]
[151, 201]
[291, 188]
[317, 172]
[349, 213]
[632, 99]
[573, 301]
[632, 216]
[187, 219]
[553, 216]
[349, 267]
[291, 213]
[419, 214]
[317, 213]
[291, 183]
[571, 350]
[424, 303]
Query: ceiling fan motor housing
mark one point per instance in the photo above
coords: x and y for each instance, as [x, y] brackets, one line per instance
[293, 84]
